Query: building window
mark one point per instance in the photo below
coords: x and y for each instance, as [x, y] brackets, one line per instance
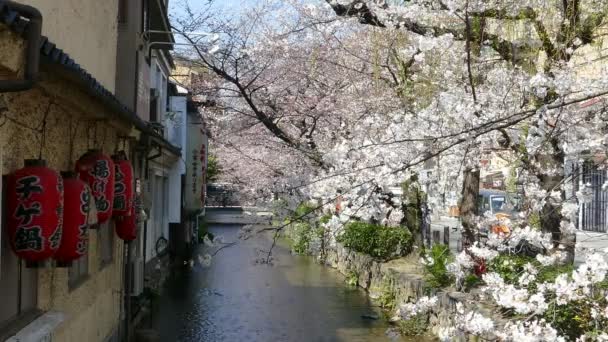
[105, 236]
[18, 285]
[123, 11]
[78, 272]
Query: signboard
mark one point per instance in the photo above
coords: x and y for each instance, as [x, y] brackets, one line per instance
[196, 163]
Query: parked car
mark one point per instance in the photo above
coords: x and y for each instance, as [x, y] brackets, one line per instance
[498, 202]
[501, 204]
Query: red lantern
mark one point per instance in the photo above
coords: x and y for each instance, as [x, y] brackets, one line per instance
[126, 226]
[35, 211]
[123, 186]
[74, 239]
[97, 170]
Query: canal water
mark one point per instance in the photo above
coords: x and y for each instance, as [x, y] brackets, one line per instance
[238, 299]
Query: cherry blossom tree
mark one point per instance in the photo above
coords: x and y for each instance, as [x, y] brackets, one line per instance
[349, 98]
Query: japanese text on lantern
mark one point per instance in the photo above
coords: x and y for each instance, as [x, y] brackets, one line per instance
[194, 168]
[120, 200]
[203, 155]
[83, 239]
[28, 236]
[101, 172]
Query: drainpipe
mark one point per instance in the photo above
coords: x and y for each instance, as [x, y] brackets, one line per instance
[32, 36]
[128, 290]
[145, 164]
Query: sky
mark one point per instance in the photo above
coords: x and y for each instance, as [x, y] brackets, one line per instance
[233, 4]
[221, 5]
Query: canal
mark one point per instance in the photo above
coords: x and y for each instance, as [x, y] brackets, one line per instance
[238, 299]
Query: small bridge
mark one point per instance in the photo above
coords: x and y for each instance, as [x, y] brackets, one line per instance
[237, 215]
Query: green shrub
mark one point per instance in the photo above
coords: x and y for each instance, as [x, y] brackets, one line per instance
[352, 278]
[510, 266]
[375, 240]
[300, 234]
[571, 320]
[436, 273]
[214, 169]
[324, 219]
[471, 281]
[303, 212]
[203, 231]
[415, 326]
[548, 274]
[387, 299]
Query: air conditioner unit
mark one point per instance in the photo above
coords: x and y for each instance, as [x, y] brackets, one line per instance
[137, 277]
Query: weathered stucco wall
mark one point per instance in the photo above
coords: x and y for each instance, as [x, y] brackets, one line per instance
[85, 29]
[75, 122]
[92, 309]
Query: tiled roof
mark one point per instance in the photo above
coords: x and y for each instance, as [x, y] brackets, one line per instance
[50, 53]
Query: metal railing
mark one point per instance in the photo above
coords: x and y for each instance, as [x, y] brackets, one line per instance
[593, 215]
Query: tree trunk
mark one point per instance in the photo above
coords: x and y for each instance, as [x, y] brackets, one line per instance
[412, 202]
[550, 215]
[468, 206]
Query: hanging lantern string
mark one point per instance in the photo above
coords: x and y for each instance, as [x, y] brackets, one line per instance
[43, 129]
[95, 135]
[4, 118]
[121, 140]
[103, 142]
[72, 133]
[90, 137]
[117, 145]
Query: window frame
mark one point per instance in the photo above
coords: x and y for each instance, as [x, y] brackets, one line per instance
[22, 314]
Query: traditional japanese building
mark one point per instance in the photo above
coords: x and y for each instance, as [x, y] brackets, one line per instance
[66, 88]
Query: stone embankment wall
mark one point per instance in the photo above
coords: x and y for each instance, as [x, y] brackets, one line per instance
[403, 280]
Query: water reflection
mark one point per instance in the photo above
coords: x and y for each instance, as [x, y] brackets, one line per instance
[236, 299]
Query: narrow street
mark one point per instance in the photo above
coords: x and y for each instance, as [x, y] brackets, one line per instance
[236, 299]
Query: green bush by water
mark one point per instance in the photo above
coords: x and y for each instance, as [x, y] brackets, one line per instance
[203, 231]
[376, 240]
[436, 273]
[303, 229]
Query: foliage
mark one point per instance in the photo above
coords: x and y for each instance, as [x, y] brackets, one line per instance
[325, 218]
[510, 266]
[534, 220]
[214, 169]
[471, 281]
[303, 228]
[300, 234]
[436, 273]
[352, 278]
[378, 102]
[386, 296]
[571, 320]
[303, 212]
[375, 240]
[203, 231]
[417, 325]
